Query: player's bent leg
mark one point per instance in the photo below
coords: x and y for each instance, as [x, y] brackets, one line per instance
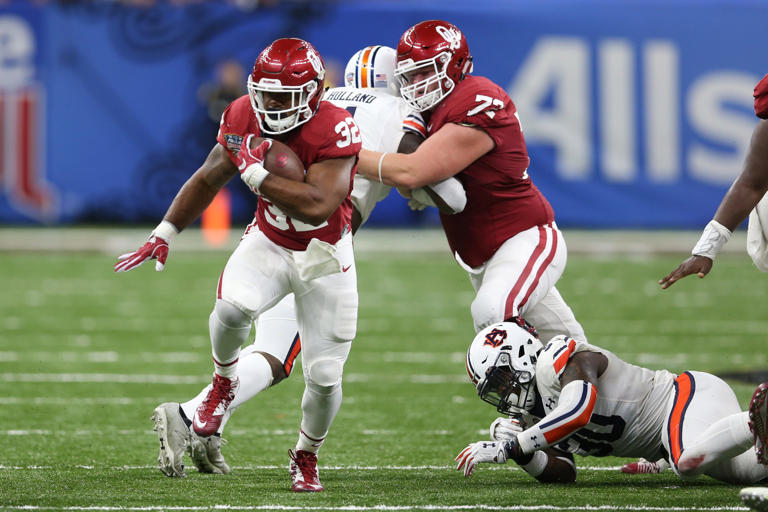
[518, 275]
[174, 436]
[695, 444]
[552, 316]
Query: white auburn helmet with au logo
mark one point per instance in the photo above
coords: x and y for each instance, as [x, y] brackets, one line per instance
[373, 67]
[501, 363]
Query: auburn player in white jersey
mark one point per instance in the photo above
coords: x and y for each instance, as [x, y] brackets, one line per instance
[506, 237]
[572, 397]
[385, 124]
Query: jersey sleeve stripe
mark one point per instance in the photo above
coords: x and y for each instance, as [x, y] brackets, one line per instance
[566, 424]
[412, 126]
[563, 358]
[685, 387]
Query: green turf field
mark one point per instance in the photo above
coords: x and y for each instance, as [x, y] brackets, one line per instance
[85, 356]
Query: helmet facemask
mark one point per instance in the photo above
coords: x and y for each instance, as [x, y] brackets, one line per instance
[506, 388]
[274, 122]
[427, 92]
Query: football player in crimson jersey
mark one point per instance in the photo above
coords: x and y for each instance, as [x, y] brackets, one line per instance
[506, 237]
[572, 397]
[748, 189]
[300, 240]
[384, 125]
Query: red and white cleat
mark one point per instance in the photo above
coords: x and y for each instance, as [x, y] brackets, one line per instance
[758, 421]
[644, 467]
[208, 416]
[303, 468]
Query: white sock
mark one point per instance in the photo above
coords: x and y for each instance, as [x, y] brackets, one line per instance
[229, 327]
[319, 406]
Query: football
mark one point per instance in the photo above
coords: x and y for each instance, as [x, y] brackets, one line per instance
[281, 160]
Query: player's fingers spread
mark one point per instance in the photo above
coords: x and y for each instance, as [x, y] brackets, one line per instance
[125, 256]
[463, 452]
[132, 263]
[125, 264]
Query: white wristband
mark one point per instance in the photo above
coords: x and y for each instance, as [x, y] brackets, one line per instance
[537, 465]
[254, 175]
[381, 161]
[165, 230]
[712, 240]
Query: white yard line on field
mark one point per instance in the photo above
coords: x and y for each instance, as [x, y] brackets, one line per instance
[458, 377]
[378, 508]
[352, 467]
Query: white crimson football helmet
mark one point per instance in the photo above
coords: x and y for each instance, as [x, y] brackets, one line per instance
[373, 67]
[292, 67]
[501, 363]
[432, 57]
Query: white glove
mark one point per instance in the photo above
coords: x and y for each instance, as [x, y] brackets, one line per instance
[504, 429]
[482, 451]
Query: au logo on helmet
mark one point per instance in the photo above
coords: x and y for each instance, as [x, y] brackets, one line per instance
[451, 35]
[495, 338]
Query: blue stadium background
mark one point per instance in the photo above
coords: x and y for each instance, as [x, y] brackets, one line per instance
[637, 114]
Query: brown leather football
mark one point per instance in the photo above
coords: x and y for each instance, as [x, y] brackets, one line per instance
[281, 160]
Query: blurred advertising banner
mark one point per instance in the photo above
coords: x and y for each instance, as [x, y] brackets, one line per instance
[637, 114]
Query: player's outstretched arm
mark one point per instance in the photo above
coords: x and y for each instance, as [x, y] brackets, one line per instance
[750, 186]
[444, 154]
[193, 197]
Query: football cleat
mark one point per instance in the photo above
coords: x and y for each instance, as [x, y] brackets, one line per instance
[758, 421]
[303, 469]
[205, 452]
[208, 416]
[643, 467]
[755, 498]
[174, 437]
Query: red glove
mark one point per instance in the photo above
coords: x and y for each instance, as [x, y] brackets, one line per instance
[156, 247]
[249, 162]
[761, 98]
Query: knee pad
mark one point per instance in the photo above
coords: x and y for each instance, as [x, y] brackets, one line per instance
[325, 373]
[230, 315]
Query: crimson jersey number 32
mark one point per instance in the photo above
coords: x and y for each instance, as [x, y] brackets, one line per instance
[349, 133]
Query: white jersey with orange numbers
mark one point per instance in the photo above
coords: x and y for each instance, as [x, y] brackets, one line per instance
[631, 407]
[383, 119]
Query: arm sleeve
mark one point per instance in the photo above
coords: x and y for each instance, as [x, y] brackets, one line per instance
[573, 411]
